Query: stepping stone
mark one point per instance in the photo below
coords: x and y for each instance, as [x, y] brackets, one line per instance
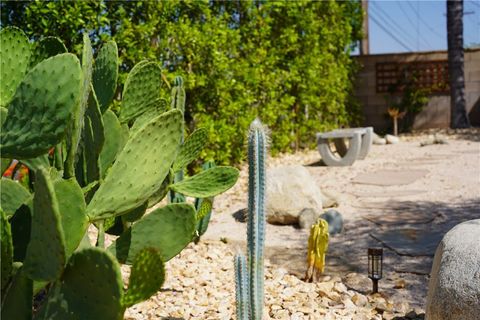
[390, 177]
[409, 241]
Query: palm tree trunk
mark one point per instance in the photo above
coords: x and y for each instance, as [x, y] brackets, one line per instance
[459, 117]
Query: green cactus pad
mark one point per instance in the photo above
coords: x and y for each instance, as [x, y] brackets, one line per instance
[7, 251]
[152, 110]
[41, 107]
[45, 255]
[90, 288]
[12, 195]
[72, 210]
[21, 224]
[168, 229]
[94, 138]
[207, 183]
[4, 164]
[76, 126]
[190, 150]
[115, 140]
[146, 277]
[105, 74]
[205, 208]
[17, 304]
[140, 168]
[141, 88]
[14, 57]
[46, 48]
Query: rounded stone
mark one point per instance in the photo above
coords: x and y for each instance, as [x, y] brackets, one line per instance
[454, 288]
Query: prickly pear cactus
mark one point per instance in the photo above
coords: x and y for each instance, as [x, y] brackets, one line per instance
[317, 249]
[86, 167]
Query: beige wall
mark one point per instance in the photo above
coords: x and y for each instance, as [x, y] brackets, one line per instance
[437, 113]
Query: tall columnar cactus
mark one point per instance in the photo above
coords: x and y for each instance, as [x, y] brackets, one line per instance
[56, 126]
[257, 153]
[317, 249]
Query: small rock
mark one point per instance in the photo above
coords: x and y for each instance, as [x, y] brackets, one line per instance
[379, 141]
[340, 287]
[391, 139]
[359, 299]
[335, 221]
[400, 284]
[401, 307]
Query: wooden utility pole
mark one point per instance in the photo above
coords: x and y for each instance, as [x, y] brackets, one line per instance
[364, 43]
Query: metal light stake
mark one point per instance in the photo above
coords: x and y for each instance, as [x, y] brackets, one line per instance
[375, 266]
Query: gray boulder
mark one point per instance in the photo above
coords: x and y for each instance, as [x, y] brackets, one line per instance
[290, 189]
[334, 219]
[454, 288]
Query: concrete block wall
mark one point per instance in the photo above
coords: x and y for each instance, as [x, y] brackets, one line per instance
[437, 112]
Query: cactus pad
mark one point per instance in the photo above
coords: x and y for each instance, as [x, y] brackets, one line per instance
[3, 115]
[146, 278]
[207, 183]
[105, 74]
[140, 168]
[14, 57]
[72, 210]
[45, 255]
[90, 288]
[114, 142]
[141, 88]
[17, 303]
[12, 195]
[46, 48]
[7, 251]
[76, 125]
[41, 107]
[168, 229]
[190, 150]
[94, 137]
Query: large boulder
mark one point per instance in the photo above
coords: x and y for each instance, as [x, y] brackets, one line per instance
[454, 288]
[290, 189]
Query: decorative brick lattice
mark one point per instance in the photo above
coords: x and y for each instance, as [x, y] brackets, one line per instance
[432, 75]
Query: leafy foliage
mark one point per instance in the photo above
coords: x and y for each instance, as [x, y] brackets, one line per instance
[285, 62]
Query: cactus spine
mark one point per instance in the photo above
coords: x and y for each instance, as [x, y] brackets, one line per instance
[257, 151]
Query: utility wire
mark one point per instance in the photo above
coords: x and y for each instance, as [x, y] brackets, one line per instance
[412, 23]
[426, 24]
[388, 32]
[386, 23]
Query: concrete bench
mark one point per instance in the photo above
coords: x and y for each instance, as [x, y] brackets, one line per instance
[360, 140]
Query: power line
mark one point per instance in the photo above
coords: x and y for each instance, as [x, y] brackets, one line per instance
[389, 20]
[420, 19]
[411, 21]
[386, 22]
[389, 33]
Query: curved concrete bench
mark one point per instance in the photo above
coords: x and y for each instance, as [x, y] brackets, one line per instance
[360, 140]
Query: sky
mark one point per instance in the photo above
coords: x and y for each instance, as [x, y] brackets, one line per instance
[417, 25]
